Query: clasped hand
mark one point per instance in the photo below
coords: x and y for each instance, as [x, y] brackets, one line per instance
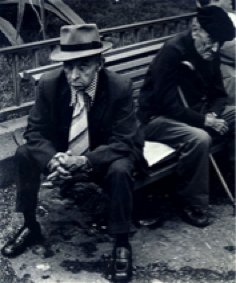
[219, 125]
[63, 165]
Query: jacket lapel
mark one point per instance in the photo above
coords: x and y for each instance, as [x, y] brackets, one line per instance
[99, 107]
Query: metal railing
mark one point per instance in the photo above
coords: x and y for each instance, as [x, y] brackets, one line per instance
[120, 36]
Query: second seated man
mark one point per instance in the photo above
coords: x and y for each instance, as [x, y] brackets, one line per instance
[189, 63]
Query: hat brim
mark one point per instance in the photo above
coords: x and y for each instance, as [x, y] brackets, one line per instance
[58, 55]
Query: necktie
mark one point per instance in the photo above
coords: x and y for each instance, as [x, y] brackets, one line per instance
[78, 136]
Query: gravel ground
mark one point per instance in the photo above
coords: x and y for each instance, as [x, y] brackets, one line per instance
[170, 252]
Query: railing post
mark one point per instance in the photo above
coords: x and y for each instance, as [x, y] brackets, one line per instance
[122, 38]
[136, 35]
[16, 79]
[35, 58]
[151, 32]
[165, 29]
[177, 26]
[35, 65]
[189, 22]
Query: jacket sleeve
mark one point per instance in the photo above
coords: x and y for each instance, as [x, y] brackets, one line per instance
[218, 94]
[39, 130]
[163, 82]
[124, 129]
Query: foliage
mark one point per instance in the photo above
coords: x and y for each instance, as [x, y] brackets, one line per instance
[57, 7]
[108, 13]
[9, 32]
[105, 13]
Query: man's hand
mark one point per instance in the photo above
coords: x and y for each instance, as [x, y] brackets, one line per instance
[54, 162]
[219, 125]
[71, 162]
[63, 166]
[59, 176]
[58, 173]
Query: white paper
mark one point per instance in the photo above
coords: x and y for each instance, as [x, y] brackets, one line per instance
[155, 152]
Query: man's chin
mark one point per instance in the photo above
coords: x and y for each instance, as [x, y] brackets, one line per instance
[209, 57]
[78, 86]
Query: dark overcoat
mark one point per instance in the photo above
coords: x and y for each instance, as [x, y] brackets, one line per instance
[113, 127]
[179, 64]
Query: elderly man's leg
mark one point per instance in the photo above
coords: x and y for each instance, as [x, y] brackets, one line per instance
[118, 183]
[27, 181]
[27, 184]
[194, 145]
[229, 116]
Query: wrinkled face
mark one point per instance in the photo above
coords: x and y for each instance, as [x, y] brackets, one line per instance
[80, 72]
[226, 4]
[204, 44]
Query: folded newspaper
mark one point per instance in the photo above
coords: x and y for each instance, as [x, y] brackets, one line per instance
[154, 152]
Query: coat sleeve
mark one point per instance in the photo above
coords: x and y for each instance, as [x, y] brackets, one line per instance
[218, 94]
[39, 130]
[124, 130]
[161, 85]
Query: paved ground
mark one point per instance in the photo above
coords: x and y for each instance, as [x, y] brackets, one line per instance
[169, 252]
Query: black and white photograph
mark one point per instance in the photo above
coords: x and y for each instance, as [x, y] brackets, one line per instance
[117, 141]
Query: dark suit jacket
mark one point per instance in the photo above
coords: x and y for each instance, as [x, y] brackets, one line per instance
[201, 86]
[113, 125]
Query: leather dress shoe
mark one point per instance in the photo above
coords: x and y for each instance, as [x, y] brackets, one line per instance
[194, 216]
[122, 264]
[24, 238]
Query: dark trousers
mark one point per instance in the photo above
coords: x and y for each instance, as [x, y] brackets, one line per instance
[230, 115]
[194, 145]
[117, 183]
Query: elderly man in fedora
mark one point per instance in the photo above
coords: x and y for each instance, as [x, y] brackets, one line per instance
[189, 63]
[83, 125]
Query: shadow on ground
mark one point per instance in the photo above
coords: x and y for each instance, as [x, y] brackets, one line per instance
[77, 248]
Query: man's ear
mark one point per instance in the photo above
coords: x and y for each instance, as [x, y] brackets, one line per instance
[100, 63]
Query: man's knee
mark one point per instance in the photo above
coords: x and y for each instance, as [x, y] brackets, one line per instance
[121, 167]
[201, 139]
[22, 152]
[24, 160]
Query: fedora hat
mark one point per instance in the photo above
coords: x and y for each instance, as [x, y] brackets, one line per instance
[78, 41]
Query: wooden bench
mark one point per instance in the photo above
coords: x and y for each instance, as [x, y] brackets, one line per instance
[132, 62]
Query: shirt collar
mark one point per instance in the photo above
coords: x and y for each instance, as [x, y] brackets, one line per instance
[90, 90]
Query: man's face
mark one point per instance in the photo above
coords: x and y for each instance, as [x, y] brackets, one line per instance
[205, 45]
[225, 4]
[80, 72]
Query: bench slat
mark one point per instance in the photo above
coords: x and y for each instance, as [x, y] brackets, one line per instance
[29, 73]
[138, 45]
[16, 109]
[131, 64]
[135, 74]
[36, 77]
[150, 50]
[135, 94]
[137, 85]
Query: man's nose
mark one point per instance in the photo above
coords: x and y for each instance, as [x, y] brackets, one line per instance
[75, 73]
[215, 47]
